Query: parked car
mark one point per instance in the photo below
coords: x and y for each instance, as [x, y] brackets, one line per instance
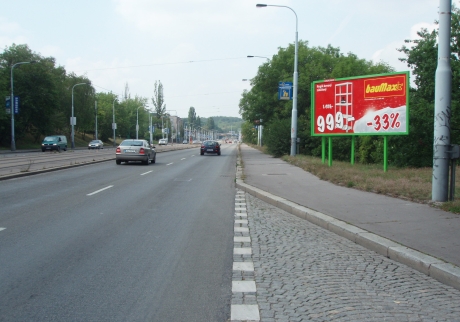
[135, 150]
[163, 142]
[54, 142]
[185, 142]
[212, 147]
[96, 144]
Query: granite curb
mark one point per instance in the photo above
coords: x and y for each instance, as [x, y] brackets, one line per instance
[442, 271]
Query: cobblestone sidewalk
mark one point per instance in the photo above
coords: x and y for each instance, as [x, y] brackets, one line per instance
[305, 273]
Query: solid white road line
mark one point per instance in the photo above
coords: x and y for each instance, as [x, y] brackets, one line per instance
[93, 193]
[146, 172]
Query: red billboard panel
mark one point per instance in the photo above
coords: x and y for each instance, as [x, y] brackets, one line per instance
[367, 105]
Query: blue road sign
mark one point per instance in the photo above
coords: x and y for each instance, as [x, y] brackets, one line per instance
[16, 105]
[285, 91]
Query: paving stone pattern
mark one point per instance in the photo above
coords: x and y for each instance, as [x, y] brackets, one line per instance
[305, 273]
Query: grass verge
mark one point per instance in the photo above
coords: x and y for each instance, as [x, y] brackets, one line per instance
[413, 184]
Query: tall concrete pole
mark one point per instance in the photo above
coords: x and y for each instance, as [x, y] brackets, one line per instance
[72, 120]
[295, 79]
[113, 121]
[12, 104]
[442, 106]
[95, 106]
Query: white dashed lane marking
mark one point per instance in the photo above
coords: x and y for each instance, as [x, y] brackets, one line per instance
[170, 163]
[241, 311]
[242, 251]
[142, 174]
[243, 286]
[245, 312]
[93, 193]
[241, 239]
[243, 266]
[1, 228]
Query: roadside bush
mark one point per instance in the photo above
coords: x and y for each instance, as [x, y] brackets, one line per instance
[276, 137]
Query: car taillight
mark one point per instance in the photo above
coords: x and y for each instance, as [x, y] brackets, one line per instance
[202, 146]
[118, 150]
[142, 151]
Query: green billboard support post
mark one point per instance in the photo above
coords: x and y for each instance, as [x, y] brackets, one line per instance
[329, 158]
[352, 161]
[323, 149]
[385, 153]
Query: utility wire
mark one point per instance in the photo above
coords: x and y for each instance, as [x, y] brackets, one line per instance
[161, 64]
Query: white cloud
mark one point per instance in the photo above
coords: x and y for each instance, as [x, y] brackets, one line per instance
[419, 26]
[340, 28]
[170, 20]
[11, 33]
[391, 55]
[50, 51]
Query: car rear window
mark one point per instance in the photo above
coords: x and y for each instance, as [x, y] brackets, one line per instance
[132, 143]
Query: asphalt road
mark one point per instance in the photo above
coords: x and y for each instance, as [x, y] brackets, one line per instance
[109, 242]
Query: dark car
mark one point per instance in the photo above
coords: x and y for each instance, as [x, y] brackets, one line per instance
[135, 150]
[212, 147]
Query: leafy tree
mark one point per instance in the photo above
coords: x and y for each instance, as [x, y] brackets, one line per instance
[421, 57]
[210, 124]
[192, 116]
[158, 99]
[106, 103]
[315, 63]
[249, 133]
[275, 139]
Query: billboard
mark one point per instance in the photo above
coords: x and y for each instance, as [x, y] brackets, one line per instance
[366, 105]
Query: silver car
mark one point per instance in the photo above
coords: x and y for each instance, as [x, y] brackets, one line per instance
[96, 144]
[135, 150]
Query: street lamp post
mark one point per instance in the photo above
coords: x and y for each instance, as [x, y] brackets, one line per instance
[151, 130]
[95, 107]
[137, 122]
[13, 140]
[295, 76]
[171, 125]
[114, 125]
[72, 119]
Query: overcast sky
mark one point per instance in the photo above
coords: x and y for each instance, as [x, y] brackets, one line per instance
[198, 48]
